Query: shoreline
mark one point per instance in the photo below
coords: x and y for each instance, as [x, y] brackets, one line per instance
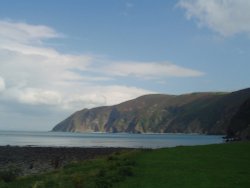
[29, 160]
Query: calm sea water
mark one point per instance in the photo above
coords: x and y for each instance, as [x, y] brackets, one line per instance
[58, 139]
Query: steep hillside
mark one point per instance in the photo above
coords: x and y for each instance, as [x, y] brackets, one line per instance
[206, 113]
[239, 127]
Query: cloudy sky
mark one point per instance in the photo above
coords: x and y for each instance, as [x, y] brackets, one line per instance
[57, 57]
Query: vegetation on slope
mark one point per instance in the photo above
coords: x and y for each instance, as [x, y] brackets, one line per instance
[239, 127]
[222, 165]
[205, 113]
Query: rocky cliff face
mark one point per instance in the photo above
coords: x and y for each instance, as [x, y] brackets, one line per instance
[239, 127]
[206, 113]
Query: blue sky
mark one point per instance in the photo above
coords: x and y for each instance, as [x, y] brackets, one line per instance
[57, 57]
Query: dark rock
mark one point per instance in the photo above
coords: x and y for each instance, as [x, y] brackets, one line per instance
[32, 160]
[239, 127]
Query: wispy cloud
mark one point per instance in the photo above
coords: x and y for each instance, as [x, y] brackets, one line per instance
[129, 5]
[2, 84]
[227, 17]
[33, 74]
[103, 95]
[23, 32]
[150, 70]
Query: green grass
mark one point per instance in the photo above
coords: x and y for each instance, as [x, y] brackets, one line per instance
[221, 165]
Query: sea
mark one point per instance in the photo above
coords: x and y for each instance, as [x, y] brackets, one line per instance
[68, 139]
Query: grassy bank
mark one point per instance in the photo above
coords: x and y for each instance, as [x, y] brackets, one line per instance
[101, 172]
[222, 165]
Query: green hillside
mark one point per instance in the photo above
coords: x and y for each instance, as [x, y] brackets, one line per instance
[205, 113]
[239, 127]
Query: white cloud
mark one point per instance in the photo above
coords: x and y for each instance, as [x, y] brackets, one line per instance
[23, 32]
[39, 96]
[102, 96]
[2, 85]
[227, 17]
[35, 78]
[150, 70]
[39, 75]
[115, 94]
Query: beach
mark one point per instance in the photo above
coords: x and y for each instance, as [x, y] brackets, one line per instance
[34, 160]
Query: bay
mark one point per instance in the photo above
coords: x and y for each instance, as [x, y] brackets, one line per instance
[67, 139]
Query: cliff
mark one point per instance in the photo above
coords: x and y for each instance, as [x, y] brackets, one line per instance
[205, 113]
[239, 127]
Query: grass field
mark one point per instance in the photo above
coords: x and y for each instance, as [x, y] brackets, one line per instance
[221, 165]
[224, 165]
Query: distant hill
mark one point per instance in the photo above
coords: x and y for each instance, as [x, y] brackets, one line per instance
[205, 113]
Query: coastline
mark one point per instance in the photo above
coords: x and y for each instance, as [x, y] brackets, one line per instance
[30, 160]
[99, 140]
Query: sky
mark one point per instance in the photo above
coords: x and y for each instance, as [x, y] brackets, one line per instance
[57, 57]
